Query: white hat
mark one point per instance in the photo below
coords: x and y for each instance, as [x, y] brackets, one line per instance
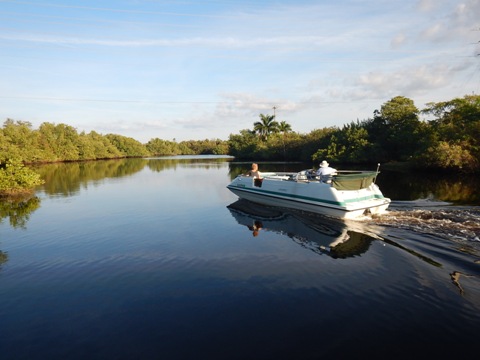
[323, 164]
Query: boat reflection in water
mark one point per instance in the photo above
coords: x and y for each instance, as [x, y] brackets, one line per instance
[320, 234]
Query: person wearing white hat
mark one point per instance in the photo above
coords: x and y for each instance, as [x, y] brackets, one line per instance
[325, 172]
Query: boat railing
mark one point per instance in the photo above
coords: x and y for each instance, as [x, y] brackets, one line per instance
[342, 180]
[277, 175]
[301, 176]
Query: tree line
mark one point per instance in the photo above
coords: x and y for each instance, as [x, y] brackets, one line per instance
[450, 140]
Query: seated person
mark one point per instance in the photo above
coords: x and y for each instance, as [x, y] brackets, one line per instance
[325, 172]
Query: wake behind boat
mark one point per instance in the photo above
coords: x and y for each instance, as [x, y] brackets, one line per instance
[346, 195]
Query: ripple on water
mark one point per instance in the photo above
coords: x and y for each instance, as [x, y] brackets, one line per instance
[457, 224]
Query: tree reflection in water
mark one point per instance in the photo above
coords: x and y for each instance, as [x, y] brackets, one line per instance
[18, 209]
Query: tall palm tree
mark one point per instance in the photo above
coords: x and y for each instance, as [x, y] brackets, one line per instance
[284, 128]
[266, 126]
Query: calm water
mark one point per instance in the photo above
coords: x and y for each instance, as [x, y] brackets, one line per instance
[156, 259]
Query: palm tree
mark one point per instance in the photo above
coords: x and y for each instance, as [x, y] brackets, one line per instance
[284, 128]
[266, 126]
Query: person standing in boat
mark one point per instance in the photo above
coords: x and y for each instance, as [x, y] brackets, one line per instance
[254, 172]
[325, 172]
[257, 176]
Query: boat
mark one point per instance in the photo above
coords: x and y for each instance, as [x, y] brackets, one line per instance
[349, 194]
[322, 235]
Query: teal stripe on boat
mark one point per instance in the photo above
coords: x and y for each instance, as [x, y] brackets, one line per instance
[365, 198]
[299, 197]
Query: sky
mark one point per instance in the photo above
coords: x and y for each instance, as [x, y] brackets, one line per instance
[206, 69]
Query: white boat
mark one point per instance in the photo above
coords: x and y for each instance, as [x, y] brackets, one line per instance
[346, 195]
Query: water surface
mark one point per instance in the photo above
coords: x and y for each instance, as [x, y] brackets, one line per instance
[156, 259]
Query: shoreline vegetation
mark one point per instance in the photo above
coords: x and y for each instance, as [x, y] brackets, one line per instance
[395, 136]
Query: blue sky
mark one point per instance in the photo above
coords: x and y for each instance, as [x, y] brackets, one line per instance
[205, 69]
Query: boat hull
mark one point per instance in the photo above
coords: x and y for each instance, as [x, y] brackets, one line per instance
[311, 196]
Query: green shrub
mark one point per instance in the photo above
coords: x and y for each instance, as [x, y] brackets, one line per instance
[16, 178]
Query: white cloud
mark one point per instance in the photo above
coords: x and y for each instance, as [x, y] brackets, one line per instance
[408, 82]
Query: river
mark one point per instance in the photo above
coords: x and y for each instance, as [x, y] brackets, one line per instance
[156, 259]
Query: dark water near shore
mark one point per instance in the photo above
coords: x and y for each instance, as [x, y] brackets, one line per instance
[156, 259]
